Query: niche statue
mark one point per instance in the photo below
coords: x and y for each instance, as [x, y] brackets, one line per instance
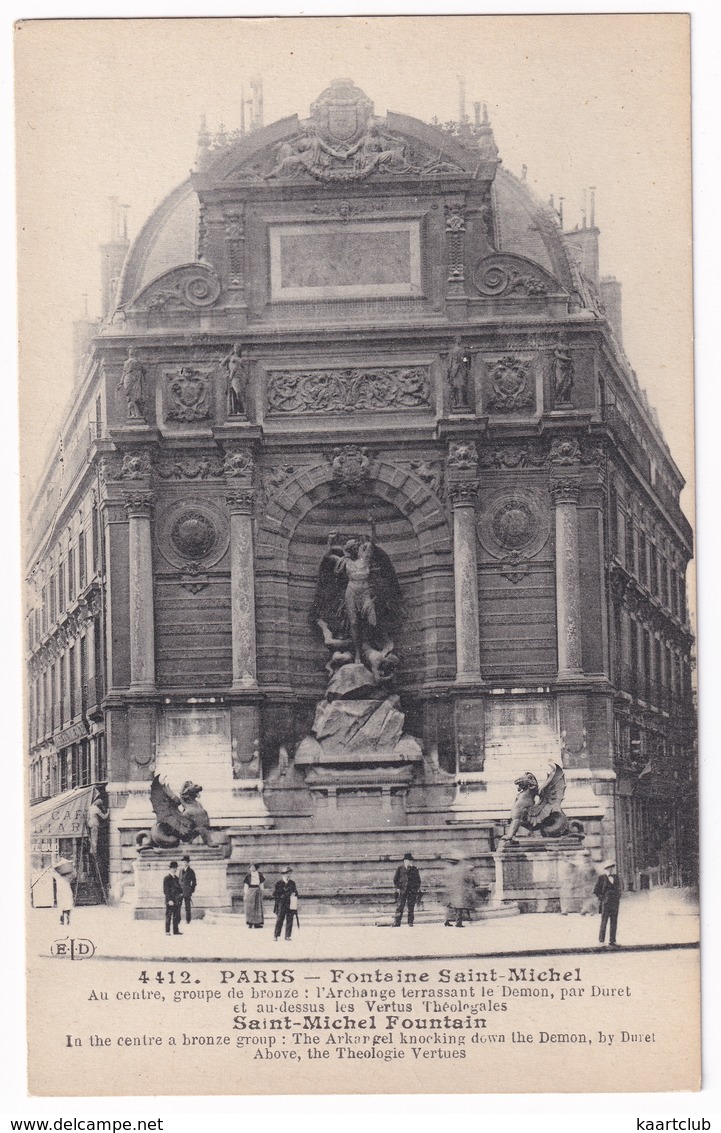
[358, 603]
[357, 608]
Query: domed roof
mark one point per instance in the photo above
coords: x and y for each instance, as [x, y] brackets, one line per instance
[524, 226]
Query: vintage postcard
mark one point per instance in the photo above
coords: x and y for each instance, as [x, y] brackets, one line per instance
[357, 460]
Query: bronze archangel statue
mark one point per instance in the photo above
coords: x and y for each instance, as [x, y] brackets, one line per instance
[357, 603]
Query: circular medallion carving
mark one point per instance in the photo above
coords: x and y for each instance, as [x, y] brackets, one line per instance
[193, 534]
[514, 524]
[512, 521]
[193, 531]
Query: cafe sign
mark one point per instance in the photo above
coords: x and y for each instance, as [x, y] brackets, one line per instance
[62, 817]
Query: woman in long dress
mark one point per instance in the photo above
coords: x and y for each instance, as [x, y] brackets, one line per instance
[253, 897]
[460, 890]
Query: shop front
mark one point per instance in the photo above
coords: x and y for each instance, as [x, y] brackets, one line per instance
[70, 826]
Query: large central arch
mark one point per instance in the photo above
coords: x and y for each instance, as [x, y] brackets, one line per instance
[412, 528]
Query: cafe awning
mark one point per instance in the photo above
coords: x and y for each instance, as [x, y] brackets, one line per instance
[65, 816]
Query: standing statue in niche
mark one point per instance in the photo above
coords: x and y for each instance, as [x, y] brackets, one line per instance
[237, 377]
[357, 602]
[459, 372]
[131, 383]
[562, 373]
[357, 608]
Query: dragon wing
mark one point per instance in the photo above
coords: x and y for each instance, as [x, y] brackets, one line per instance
[386, 593]
[328, 601]
[552, 792]
[163, 801]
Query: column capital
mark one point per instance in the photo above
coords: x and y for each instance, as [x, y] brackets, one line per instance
[240, 499]
[138, 502]
[565, 490]
[463, 493]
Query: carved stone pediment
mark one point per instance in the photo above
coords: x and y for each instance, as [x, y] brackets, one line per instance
[184, 288]
[513, 277]
[343, 141]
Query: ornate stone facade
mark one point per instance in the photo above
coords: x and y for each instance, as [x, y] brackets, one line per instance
[355, 374]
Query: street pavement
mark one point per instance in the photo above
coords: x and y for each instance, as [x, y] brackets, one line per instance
[654, 919]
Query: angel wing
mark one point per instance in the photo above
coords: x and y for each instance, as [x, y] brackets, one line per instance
[328, 601]
[552, 792]
[386, 593]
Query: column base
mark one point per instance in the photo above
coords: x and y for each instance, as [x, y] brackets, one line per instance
[244, 684]
[468, 678]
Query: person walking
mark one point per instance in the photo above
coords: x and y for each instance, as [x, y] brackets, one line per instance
[407, 884]
[608, 891]
[253, 897]
[173, 893]
[188, 882]
[586, 878]
[64, 876]
[567, 889]
[285, 904]
[460, 890]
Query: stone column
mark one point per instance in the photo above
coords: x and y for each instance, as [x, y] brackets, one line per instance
[239, 478]
[242, 588]
[463, 491]
[568, 583]
[142, 617]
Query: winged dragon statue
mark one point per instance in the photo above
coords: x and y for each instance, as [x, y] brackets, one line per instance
[178, 818]
[538, 809]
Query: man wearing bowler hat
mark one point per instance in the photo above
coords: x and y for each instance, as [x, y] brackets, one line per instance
[173, 893]
[285, 903]
[188, 882]
[608, 891]
[407, 883]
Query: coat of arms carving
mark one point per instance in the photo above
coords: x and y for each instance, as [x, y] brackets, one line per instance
[511, 383]
[342, 112]
[187, 395]
[343, 141]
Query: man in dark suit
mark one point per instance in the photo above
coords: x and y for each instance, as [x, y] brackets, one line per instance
[173, 893]
[407, 883]
[285, 903]
[188, 882]
[608, 891]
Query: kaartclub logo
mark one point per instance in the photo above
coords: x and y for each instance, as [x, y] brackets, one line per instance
[72, 948]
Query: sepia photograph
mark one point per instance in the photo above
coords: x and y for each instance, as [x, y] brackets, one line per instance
[357, 478]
